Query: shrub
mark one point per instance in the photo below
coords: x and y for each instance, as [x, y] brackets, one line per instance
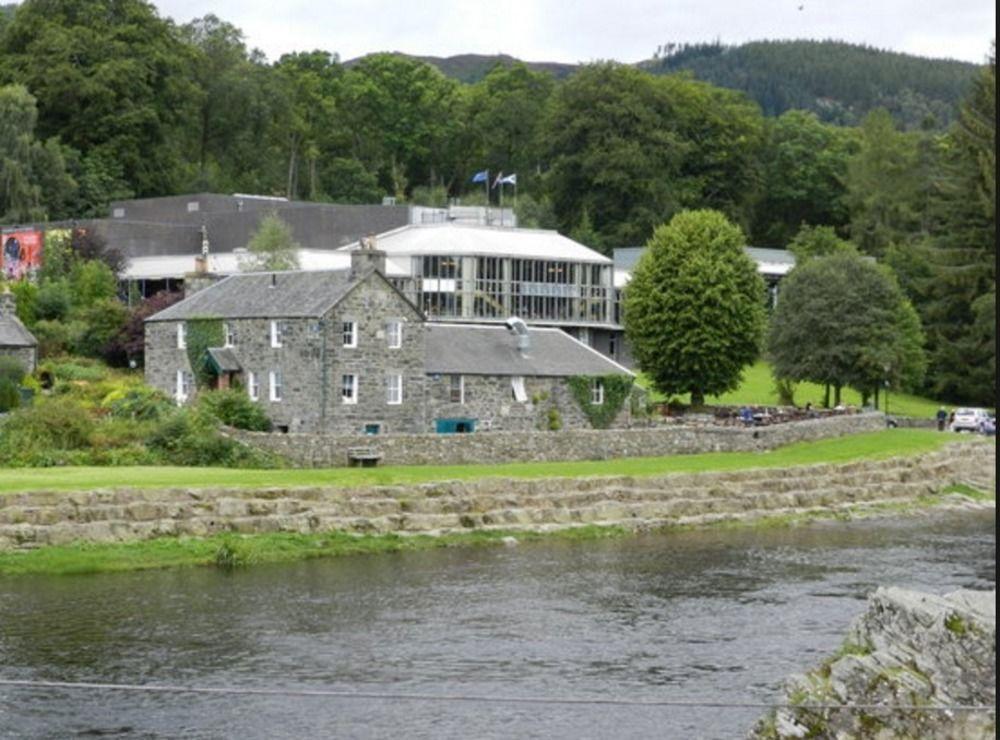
[141, 403]
[11, 369]
[56, 337]
[53, 302]
[190, 437]
[10, 396]
[234, 408]
[42, 434]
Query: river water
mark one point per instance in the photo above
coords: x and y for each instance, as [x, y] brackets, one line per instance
[719, 615]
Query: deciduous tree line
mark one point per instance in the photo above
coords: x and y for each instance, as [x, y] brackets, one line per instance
[103, 99]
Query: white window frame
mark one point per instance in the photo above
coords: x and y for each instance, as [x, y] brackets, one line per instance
[182, 391]
[350, 334]
[277, 340]
[394, 389]
[352, 398]
[253, 386]
[517, 387]
[275, 385]
[597, 392]
[460, 388]
[182, 332]
[229, 332]
[394, 334]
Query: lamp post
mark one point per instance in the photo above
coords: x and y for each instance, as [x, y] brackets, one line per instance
[888, 421]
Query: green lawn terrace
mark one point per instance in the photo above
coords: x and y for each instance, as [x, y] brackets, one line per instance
[874, 445]
[758, 389]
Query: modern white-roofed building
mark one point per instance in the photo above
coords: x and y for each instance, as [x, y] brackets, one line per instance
[457, 272]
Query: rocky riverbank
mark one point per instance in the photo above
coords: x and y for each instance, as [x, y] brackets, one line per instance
[911, 649]
[33, 520]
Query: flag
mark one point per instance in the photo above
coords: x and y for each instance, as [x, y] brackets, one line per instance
[499, 179]
[509, 180]
[483, 176]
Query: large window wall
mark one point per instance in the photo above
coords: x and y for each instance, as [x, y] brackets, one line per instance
[497, 287]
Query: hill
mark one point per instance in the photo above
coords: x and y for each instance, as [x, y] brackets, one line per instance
[840, 82]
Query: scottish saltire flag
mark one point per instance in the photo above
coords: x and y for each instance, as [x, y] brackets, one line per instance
[483, 176]
[509, 180]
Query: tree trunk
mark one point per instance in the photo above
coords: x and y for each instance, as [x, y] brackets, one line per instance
[836, 394]
[826, 396]
[293, 147]
[697, 397]
[876, 396]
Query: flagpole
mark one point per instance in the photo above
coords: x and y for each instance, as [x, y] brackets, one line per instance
[501, 202]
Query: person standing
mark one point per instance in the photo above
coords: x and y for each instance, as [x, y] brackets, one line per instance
[942, 419]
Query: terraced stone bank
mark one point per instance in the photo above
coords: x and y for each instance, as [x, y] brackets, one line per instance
[53, 518]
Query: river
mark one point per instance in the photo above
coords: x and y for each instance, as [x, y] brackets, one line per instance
[723, 615]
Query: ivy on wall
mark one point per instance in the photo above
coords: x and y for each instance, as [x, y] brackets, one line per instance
[617, 389]
[202, 334]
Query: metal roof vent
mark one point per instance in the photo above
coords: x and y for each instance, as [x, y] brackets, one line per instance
[519, 328]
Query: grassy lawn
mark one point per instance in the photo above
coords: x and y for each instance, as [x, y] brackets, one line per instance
[887, 443]
[234, 551]
[757, 389]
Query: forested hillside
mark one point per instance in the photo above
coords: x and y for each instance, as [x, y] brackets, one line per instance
[470, 68]
[839, 82]
[105, 99]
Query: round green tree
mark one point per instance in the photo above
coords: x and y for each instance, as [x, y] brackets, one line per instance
[694, 309]
[843, 320]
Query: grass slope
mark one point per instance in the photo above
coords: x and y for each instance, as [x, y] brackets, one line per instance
[757, 389]
[234, 551]
[888, 443]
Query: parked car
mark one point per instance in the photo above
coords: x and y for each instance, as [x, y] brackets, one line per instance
[989, 427]
[969, 420]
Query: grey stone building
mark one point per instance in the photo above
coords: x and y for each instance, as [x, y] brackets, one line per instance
[15, 340]
[346, 352]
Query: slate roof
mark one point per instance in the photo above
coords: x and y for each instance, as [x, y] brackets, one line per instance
[14, 334]
[467, 349]
[224, 360]
[295, 294]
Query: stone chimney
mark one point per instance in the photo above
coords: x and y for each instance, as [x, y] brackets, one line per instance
[200, 279]
[8, 304]
[366, 257]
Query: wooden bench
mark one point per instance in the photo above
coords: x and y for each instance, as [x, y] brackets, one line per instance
[366, 457]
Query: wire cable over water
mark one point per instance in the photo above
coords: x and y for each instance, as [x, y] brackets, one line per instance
[478, 698]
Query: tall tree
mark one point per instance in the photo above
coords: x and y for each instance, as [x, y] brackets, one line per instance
[505, 115]
[962, 290]
[883, 186]
[694, 309]
[272, 247]
[804, 165]
[398, 113]
[843, 321]
[110, 80]
[613, 152]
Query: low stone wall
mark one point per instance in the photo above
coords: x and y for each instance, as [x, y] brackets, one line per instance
[909, 648]
[53, 518]
[320, 450]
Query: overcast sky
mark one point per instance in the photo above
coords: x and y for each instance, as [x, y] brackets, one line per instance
[585, 30]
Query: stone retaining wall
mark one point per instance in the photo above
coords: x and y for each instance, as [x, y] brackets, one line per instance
[320, 450]
[53, 518]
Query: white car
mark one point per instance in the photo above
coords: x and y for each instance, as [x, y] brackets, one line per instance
[969, 420]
